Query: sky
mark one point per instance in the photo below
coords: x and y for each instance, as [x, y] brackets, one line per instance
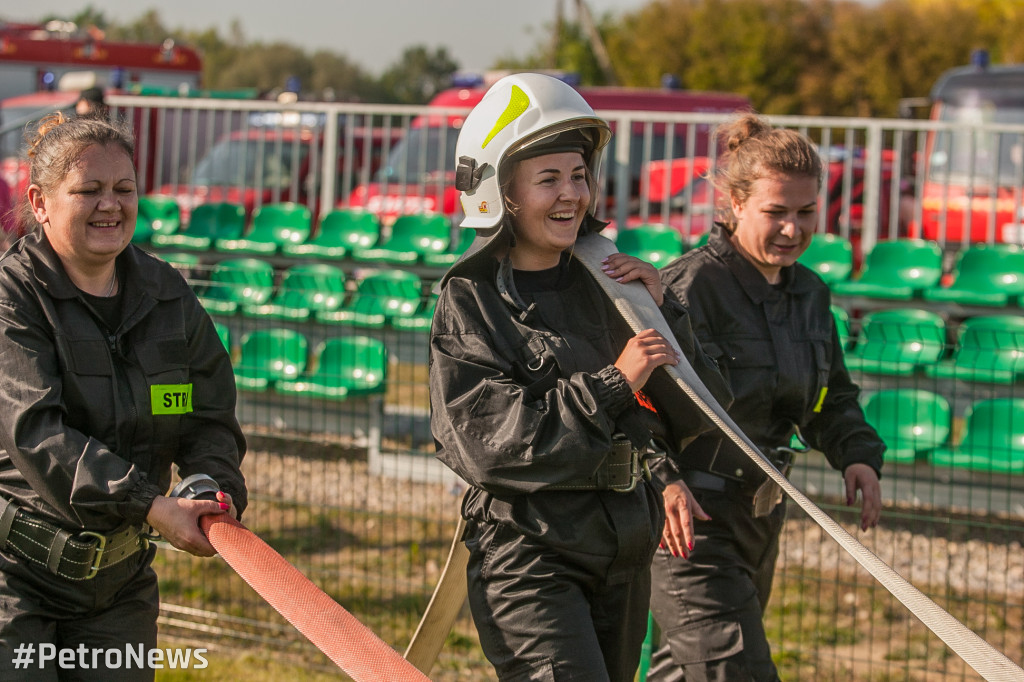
[371, 33]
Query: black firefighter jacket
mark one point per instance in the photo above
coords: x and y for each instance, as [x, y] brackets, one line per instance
[779, 350]
[522, 401]
[89, 424]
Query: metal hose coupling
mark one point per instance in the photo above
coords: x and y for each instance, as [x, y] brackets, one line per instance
[196, 487]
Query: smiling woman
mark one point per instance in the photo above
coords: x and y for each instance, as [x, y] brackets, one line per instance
[766, 319]
[94, 334]
[90, 216]
[550, 194]
[533, 378]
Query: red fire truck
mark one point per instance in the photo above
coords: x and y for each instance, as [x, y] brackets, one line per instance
[37, 57]
[973, 166]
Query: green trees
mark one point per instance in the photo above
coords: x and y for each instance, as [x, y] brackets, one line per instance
[815, 57]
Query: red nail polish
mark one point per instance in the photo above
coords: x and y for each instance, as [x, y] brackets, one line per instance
[690, 546]
[225, 506]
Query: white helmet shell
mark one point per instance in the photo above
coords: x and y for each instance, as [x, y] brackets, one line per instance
[519, 112]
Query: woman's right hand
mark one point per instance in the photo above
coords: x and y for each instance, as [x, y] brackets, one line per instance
[177, 521]
[681, 508]
[644, 353]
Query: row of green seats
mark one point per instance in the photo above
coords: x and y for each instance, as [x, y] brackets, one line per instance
[316, 292]
[657, 244]
[903, 269]
[339, 367]
[916, 425]
[286, 229]
[988, 348]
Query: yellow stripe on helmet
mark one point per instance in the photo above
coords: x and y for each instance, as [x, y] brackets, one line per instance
[518, 103]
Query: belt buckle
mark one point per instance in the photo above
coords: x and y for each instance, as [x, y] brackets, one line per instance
[101, 546]
[638, 468]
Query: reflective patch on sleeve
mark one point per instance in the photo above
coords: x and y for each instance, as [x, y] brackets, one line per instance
[821, 399]
[518, 103]
[170, 398]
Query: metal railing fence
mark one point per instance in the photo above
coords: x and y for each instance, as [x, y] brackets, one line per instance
[348, 489]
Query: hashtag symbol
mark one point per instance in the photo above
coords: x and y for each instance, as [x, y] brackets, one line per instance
[23, 655]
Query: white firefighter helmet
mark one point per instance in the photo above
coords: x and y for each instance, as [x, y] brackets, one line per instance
[521, 115]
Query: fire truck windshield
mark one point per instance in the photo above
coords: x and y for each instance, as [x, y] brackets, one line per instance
[249, 163]
[987, 156]
[14, 121]
[421, 155]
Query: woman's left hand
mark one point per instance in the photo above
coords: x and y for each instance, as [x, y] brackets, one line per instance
[623, 268]
[863, 478]
[681, 508]
[176, 519]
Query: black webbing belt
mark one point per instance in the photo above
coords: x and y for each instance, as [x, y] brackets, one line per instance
[75, 556]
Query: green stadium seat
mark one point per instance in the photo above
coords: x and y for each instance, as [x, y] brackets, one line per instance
[842, 320]
[235, 283]
[305, 289]
[448, 258]
[897, 342]
[830, 256]
[273, 226]
[993, 438]
[990, 348]
[180, 260]
[412, 236]
[417, 321]
[341, 231]
[985, 274]
[380, 296]
[897, 269]
[659, 245]
[270, 355]
[702, 240]
[158, 213]
[910, 421]
[344, 367]
[208, 223]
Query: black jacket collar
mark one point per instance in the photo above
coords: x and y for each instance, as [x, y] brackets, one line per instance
[750, 278]
[134, 265]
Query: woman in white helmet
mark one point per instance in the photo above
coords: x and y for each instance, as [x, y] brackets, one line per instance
[532, 382]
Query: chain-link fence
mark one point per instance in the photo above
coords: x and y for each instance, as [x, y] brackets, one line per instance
[347, 489]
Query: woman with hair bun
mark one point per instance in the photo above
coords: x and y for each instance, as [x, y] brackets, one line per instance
[766, 319]
[111, 373]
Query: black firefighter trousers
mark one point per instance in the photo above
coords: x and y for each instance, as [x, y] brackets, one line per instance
[542, 618]
[710, 606]
[116, 609]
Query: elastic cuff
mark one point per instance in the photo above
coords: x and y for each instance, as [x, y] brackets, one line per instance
[613, 390]
[136, 508]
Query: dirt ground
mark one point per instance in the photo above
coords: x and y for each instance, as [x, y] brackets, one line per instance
[377, 545]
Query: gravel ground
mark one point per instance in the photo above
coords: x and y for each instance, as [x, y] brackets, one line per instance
[974, 565]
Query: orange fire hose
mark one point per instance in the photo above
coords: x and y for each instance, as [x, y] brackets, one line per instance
[335, 631]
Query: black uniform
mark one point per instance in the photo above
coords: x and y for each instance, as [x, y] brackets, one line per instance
[525, 398]
[87, 443]
[778, 348]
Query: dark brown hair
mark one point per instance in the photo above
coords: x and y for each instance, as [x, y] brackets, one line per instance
[57, 144]
[755, 149]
